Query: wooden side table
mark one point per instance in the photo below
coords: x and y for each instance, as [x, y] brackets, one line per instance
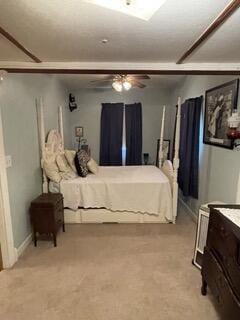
[47, 215]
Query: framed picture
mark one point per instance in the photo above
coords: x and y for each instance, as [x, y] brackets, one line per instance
[166, 150]
[79, 132]
[219, 104]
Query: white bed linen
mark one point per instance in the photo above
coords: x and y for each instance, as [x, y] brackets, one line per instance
[142, 189]
[54, 187]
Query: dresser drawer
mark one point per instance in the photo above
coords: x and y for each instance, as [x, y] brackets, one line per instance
[226, 247]
[225, 298]
[219, 237]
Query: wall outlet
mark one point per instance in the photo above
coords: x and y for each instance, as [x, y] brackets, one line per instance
[8, 160]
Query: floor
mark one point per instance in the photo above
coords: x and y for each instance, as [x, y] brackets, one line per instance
[108, 272]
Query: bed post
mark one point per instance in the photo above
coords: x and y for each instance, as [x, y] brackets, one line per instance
[41, 134]
[160, 152]
[176, 161]
[60, 124]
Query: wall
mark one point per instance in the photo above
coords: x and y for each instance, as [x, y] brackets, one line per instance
[17, 101]
[219, 167]
[89, 112]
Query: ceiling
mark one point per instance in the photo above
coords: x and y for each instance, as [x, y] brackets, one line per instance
[72, 30]
[83, 81]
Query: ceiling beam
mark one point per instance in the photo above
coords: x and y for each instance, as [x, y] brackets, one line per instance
[10, 38]
[120, 68]
[125, 71]
[217, 23]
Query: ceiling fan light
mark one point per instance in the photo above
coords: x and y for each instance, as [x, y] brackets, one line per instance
[117, 85]
[3, 74]
[127, 85]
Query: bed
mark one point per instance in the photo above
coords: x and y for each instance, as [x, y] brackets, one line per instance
[121, 194]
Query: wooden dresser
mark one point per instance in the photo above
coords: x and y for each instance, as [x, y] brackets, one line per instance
[221, 262]
[47, 215]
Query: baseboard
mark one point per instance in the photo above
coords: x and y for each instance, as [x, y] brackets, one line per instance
[23, 246]
[189, 210]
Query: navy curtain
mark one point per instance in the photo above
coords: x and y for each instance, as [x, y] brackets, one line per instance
[111, 134]
[133, 115]
[189, 147]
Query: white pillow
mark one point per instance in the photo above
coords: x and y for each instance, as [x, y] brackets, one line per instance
[51, 170]
[68, 175]
[70, 155]
[63, 164]
[92, 166]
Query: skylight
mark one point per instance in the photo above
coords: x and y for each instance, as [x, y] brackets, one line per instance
[143, 9]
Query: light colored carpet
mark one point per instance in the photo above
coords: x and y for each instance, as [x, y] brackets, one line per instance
[108, 272]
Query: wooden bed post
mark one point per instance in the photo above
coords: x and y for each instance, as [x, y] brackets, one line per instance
[41, 133]
[60, 124]
[176, 161]
[160, 153]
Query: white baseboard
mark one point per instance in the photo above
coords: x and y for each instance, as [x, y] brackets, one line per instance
[189, 210]
[23, 246]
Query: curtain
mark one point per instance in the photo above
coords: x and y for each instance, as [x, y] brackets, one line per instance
[111, 134]
[189, 147]
[133, 115]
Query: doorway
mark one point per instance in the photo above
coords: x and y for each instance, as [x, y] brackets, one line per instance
[8, 253]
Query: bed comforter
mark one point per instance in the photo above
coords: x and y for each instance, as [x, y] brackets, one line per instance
[142, 189]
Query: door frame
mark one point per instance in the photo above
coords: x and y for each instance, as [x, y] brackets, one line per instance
[9, 255]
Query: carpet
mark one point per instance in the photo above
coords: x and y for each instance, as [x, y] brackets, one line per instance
[109, 272]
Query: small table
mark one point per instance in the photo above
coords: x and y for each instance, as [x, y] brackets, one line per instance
[47, 215]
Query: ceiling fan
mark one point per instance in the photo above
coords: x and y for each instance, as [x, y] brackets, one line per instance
[122, 82]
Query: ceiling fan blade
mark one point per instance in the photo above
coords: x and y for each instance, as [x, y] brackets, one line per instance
[139, 77]
[107, 78]
[138, 84]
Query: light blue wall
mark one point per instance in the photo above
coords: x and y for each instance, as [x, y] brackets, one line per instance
[17, 101]
[219, 167]
[89, 112]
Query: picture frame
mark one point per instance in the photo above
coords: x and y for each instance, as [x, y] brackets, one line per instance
[166, 149]
[220, 102]
[79, 132]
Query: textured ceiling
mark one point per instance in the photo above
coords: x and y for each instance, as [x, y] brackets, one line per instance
[224, 45]
[9, 52]
[71, 30]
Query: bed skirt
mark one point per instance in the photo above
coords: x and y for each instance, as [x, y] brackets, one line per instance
[107, 216]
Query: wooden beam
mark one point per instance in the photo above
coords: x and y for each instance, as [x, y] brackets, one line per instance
[122, 71]
[10, 38]
[221, 18]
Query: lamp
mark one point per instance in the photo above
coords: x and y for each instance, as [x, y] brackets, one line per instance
[117, 85]
[3, 74]
[127, 85]
[233, 124]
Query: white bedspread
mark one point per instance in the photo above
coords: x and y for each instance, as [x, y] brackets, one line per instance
[142, 189]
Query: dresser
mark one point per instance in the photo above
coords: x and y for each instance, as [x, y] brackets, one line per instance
[221, 260]
[47, 215]
[202, 230]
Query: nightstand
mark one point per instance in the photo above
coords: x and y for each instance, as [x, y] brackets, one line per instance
[47, 215]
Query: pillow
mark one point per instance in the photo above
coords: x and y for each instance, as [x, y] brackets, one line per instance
[51, 170]
[92, 166]
[68, 175]
[63, 164]
[70, 155]
[81, 159]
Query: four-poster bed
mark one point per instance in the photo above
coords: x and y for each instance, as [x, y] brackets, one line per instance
[142, 194]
